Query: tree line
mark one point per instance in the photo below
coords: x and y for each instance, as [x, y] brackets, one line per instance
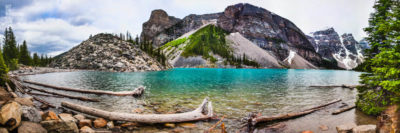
[381, 82]
[13, 54]
[145, 46]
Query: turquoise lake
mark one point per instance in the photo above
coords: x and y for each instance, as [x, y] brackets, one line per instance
[234, 93]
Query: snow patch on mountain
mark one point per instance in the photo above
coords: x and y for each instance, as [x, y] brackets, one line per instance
[291, 56]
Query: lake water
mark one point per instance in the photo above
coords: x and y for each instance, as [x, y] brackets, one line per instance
[234, 93]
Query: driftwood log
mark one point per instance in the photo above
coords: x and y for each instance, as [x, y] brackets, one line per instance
[343, 110]
[18, 86]
[259, 119]
[43, 102]
[137, 92]
[46, 95]
[195, 115]
[10, 115]
[64, 95]
[10, 91]
[334, 86]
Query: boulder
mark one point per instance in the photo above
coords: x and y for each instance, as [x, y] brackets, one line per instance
[79, 117]
[10, 115]
[27, 101]
[31, 127]
[388, 121]
[85, 122]
[31, 114]
[3, 130]
[50, 115]
[67, 117]
[365, 129]
[86, 129]
[99, 123]
[110, 125]
[58, 126]
[345, 128]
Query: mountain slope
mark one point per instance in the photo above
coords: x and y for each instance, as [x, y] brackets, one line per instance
[242, 46]
[295, 61]
[267, 30]
[211, 46]
[108, 53]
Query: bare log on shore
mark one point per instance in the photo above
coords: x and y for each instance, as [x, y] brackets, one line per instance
[18, 86]
[46, 95]
[64, 95]
[10, 91]
[334, 86]
[137, 92]
[343, 110]
[43, 102]
[194, 115]
[259, 119]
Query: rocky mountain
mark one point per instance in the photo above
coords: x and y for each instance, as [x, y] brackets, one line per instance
[274, 34]
[344, 49]
[159, 21]
[226, 50]
[108, 53]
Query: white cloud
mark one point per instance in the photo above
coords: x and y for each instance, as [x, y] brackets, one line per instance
[57, 25]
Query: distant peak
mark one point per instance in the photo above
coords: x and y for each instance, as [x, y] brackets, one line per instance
[326, 31]
[245, 9]
[158, 13]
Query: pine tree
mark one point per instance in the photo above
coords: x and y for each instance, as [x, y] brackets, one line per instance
[3, 69]
[10, 50]
[382, 83]
[25, 57]
[36, 60]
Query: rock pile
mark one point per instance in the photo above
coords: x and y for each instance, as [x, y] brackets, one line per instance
[107, 52]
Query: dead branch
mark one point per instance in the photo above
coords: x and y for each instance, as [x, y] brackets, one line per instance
[137, 92]
[259, 119]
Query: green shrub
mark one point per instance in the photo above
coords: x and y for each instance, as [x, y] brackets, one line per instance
[3, 70]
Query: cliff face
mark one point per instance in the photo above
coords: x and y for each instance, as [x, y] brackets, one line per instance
[344, 49]
[108, 53]
[269, 31]
[187, 24]
[159, 21]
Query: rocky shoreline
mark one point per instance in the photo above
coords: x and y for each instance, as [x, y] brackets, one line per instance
[38, 118]
[27, 70]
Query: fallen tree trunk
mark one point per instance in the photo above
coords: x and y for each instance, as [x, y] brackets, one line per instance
[259, 119]
[18, 85]
[39, 94]
[10, 91]
[137, 92]
[334, 86]
[194, 115]
[343, 110]
[64, 95]
[10, 115]
[43, 102]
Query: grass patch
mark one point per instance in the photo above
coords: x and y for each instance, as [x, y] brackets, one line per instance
[174, 43]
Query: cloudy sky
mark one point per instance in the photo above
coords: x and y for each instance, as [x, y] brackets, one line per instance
[54, 26]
